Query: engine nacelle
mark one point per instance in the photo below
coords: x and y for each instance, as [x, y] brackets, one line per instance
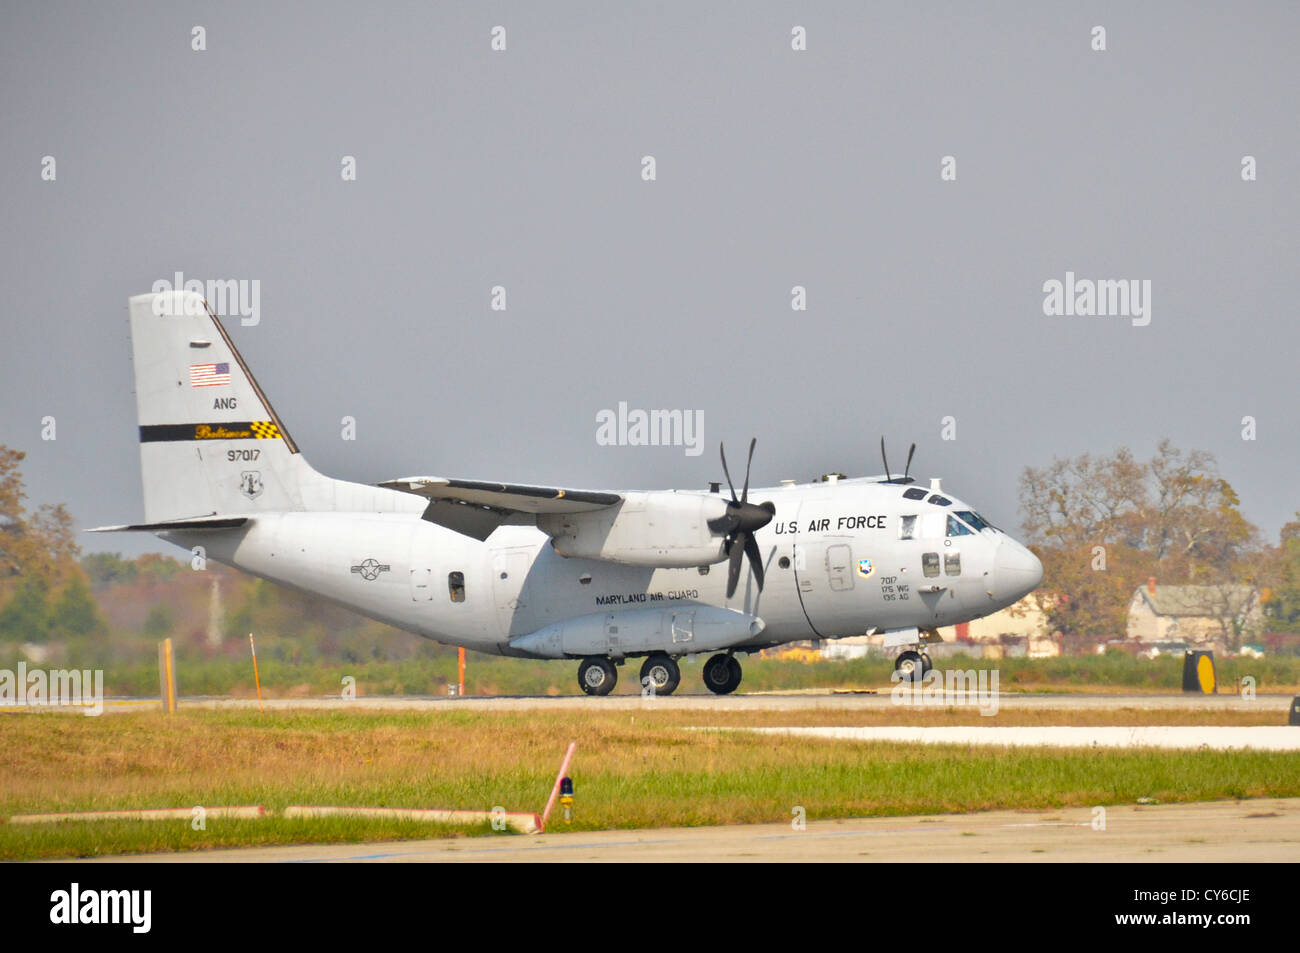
[681, 630]
[666, 530]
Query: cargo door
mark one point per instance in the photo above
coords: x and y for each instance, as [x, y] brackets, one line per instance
[509, 590]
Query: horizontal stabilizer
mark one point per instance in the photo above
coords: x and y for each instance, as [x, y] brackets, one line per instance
[208, 522]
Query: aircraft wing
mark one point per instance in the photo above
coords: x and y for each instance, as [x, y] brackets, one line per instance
[475, 508]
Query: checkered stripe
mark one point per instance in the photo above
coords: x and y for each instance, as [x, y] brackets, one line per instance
[265, 430]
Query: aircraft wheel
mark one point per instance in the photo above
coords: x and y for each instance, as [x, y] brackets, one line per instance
[597, 675]
[926, 664]
[910, 666]
[661, 674]
[722, 674]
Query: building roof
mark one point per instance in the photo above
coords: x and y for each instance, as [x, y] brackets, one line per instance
[1199, 601]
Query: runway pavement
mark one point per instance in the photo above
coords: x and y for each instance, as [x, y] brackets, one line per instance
[758, 701]
[1189, 737]
[1254, 830]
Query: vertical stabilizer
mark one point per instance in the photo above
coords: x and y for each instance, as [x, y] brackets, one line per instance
[210, 443]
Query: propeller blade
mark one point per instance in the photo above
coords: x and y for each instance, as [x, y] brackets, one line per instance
[733, 569]
[750, 517]
[727, 473]
[740, 522]
[725, 524]
[755, 559]
[908, 469]
[744, 494]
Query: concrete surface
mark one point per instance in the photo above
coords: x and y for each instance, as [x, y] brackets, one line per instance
[1218, 738]
[776, 701]
[1265, 830]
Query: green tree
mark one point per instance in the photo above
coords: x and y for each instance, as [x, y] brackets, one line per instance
[160, 622]
[1282, 605]
[41, 543]
[109, 569]
[155, 568]
[74, 613]
[25, 617]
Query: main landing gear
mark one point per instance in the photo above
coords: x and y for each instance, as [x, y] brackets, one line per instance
[660, 674]
[912, 665]
[722, 674]
[597, 675]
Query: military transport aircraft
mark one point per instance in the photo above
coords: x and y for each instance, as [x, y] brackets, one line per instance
[551, 572]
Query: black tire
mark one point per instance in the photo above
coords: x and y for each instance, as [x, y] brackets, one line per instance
[926, 664]
[597, 676]
[910, 666]
[722, 674]
[663, 672]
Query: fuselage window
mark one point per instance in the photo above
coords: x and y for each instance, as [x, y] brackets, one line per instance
[930, 564]
[930, 525]
[456, 586]
[907, 527]
[952, 564]
[957, 528]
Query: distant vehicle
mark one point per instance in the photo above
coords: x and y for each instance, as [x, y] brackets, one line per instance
[551, 572]
[1157, 649]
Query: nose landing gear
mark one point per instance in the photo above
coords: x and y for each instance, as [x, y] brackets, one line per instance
[911, 666]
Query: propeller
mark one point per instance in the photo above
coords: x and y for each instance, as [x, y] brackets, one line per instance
[741, 521]
[889, 478]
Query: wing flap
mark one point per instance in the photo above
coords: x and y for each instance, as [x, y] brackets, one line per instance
[506, 497]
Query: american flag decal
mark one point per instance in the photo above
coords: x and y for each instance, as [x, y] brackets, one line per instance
[209, 375]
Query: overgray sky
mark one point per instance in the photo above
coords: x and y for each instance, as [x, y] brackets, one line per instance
[775, 168]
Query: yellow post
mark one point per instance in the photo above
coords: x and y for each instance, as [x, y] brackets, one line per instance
[166, 677]
[257, 679]
[460, 664]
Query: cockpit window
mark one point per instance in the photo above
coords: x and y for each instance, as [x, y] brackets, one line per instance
[957, 528]
[907, 527]
[915, 493]
[974, 519]
[938, 500]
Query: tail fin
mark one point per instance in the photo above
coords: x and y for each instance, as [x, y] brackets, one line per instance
[210, 442]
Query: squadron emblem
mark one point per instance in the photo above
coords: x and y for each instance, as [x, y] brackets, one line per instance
[250, 483]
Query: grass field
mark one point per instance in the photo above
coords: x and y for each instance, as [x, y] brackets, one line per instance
[632, 770]
[493, 675]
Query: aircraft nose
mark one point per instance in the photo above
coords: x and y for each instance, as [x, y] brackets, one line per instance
[1018, 572]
